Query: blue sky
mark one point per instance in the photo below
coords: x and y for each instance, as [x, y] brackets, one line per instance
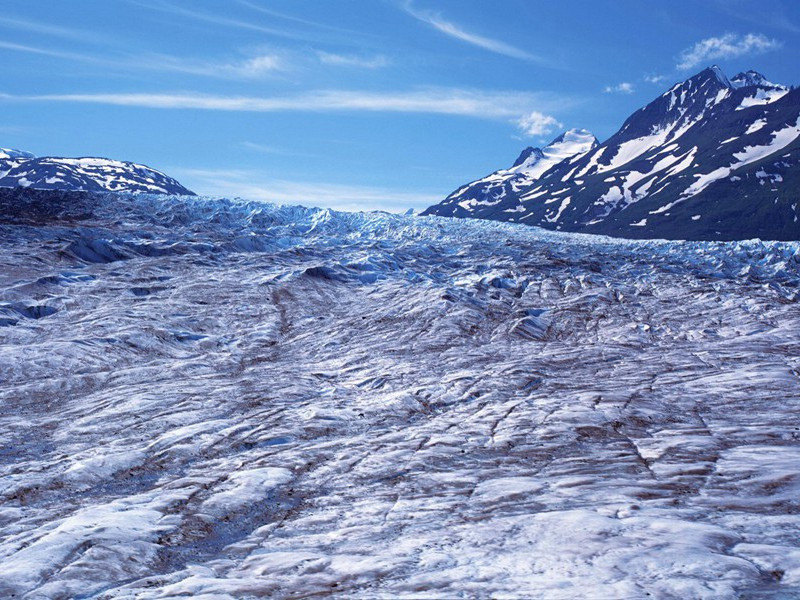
[356, 103]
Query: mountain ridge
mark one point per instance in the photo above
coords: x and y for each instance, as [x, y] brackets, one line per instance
[710, 158]
[19, 168]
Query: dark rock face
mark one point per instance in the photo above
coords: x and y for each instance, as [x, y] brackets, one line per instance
[710, 159]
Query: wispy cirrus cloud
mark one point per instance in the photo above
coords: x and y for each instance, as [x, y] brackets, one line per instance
[253, 185]
[620, 88]
[292, 18]
[117, 56]
[523, 109]
[654, 78]
[53, 53]
[304, 33]
[351, 60]
[453, 30]
[275, 150]
[248, 68]
[262, 148]
[245, 68]
[69, 33]
[729, 45]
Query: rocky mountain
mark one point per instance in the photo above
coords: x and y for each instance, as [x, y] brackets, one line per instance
[711, 158]
[22, 169]
[505, 184]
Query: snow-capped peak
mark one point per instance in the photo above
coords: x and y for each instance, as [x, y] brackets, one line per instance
[14, 153]
[530, 154]
[702, 85]
[534, 161]
[675, 155]
[749, 78]
[684, 104]
[571, 142]
[721, 77]
[22, 169]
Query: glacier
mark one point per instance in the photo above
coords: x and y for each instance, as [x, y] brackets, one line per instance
[216, 398]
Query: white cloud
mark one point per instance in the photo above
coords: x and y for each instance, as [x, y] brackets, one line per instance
[75, 56]
[294, 19]
[620, 88]
[655, 79]
[449, 101]
[348, 60]
[536, 123]
[727, 46]
[252, 185]
[81, 35]
[267, 149]
[263, 148]
[455, 31]
[258, 65]
[248, 68]
[218, 20]
[524, 109]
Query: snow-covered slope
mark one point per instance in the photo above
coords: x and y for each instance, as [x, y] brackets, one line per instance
[708, 159]
[569, 144]
[23, 169]
[505, 184]
[215, 399]
[754, 78]
[14, 153]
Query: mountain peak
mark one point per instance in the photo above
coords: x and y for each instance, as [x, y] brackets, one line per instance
[748, 78]
[684, 103]
[721, 77]
[526, 154]
[23, 169]
[579, 136]
[674, 169]
[14, 153]
[571, 142]
[712, 74]
[535, 161]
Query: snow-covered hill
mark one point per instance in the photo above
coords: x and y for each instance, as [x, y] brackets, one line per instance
[23, 169]
[220, 399]
[708, 159]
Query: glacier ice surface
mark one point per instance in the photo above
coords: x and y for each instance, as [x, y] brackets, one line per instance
[225, 399]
